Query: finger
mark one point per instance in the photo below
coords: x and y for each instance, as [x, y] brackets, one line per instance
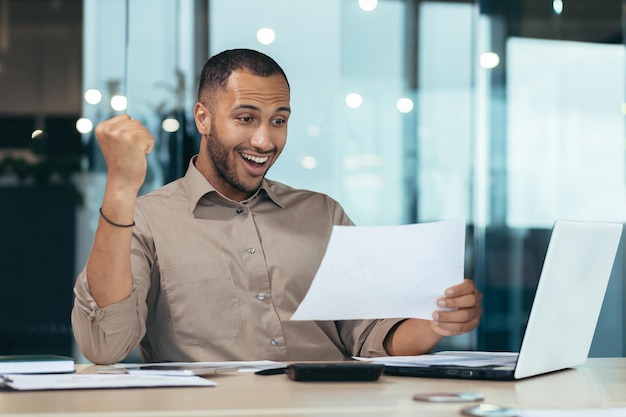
[466, 287]
[457, 321]
[464, 301]
[126, 131]
[454, 329]
[150, 145]
[137, 135]
[462, 315]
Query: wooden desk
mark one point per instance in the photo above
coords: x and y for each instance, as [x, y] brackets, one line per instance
[599, 383]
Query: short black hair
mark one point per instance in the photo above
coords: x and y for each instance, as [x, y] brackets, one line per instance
[219, 67]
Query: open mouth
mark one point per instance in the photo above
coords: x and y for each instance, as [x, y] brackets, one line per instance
[256, 166]
[259, 160]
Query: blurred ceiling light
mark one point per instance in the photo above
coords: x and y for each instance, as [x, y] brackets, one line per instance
[170, 125]
[404, 105]
[265, 36]
[84, 125]
[93, 96]
[368, 5]
[557, 6]
[354, 100]
[489, 60]
[624, 109]
[309, 162]
[119, 103]
[36, 134]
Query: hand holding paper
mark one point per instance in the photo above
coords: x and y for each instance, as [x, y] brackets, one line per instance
[385, 272]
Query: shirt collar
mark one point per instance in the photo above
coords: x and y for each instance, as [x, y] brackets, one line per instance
[198, 187]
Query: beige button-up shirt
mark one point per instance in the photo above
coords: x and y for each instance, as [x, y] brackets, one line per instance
[218, 280]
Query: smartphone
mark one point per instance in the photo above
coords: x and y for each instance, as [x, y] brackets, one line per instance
[340, 371]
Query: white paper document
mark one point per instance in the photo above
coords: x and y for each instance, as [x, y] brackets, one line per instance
[469, 359]
[95, 381]
[373, 272]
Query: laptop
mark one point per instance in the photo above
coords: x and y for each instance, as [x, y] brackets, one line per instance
[563, 316]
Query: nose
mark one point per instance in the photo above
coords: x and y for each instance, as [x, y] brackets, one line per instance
[262, 139]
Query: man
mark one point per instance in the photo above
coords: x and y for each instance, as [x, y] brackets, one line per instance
[211, 266]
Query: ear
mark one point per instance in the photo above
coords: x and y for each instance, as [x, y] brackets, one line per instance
[202, 116]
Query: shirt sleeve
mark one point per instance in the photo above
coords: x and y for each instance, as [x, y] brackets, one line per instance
[108, 335]
[365, 338]
[105, 335]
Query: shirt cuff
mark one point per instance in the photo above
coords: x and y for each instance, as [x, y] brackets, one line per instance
[374, 345]
[111, 319]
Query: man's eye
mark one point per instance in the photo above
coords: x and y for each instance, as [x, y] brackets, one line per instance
[279, 121]
[245, 119]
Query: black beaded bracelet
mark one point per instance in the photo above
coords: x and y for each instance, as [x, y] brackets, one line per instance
[113, 223]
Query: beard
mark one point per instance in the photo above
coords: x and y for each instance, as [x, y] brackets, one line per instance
[218, 153]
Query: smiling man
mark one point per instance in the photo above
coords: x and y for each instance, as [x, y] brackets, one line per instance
[211, 266]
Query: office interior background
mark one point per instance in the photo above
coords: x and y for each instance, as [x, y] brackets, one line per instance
[507, 113]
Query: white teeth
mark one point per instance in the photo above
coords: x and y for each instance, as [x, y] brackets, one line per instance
[257, 159]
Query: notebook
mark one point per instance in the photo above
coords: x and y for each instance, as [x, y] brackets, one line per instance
[563, 316]
[35, 364]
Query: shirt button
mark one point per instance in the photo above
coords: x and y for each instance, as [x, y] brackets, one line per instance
[239, 210]
[274, 342]
[261, 296]
[251, 250]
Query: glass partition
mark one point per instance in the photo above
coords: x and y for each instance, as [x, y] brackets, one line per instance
[550, 133]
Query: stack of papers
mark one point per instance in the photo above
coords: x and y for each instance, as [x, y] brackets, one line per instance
[459, 358]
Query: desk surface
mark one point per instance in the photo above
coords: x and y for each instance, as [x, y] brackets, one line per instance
[599, 383]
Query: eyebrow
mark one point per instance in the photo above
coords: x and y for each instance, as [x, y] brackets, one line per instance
[251, 107]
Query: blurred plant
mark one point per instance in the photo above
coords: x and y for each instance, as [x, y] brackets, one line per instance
[177, 90]
[175, 147]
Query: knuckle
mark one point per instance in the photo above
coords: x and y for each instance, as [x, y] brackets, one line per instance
[469, 315]
[101, 129]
